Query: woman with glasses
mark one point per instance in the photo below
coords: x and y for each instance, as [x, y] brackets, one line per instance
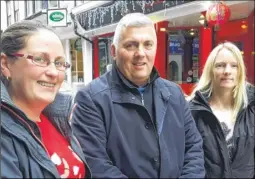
[36, 138]
[223, 107]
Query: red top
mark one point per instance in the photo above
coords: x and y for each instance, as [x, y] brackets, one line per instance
[68, 163]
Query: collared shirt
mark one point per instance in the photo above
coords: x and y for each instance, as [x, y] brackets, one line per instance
[144, 93]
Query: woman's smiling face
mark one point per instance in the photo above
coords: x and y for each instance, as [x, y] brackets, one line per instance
[35, 84]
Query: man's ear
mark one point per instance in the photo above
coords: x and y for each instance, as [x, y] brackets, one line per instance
[113, 51]
[4, 66]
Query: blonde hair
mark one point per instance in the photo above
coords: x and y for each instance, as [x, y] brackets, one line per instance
[205, 84]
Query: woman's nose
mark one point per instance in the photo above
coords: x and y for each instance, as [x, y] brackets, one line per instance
[227, 69]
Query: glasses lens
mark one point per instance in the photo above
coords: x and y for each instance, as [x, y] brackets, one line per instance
[40, 61]
[60, 65]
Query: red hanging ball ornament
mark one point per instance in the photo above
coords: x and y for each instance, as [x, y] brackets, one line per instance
[218, 14]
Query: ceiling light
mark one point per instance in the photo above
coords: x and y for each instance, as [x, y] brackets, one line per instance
[244, 26]
[192, 33]
[202, 16]
[202, 21]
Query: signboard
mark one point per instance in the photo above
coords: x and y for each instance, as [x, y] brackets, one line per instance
[176, 46]
[113, 11]
[57, 17]
[195, 45]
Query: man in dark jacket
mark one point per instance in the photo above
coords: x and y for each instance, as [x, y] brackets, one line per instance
[132, 123]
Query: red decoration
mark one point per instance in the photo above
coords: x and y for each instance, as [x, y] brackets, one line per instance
[218, 14]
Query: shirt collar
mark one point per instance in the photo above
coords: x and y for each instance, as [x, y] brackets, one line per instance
[153, 76]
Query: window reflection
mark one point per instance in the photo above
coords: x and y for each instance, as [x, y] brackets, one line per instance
[183, 56]
[77, 60]
[105, 60]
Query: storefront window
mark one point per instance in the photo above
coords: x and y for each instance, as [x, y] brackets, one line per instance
[77, 60]
[183, 56]
[38, 6]
[9, 14]
[16, 10]
[105, 60]
[52, 4]
[29, 8]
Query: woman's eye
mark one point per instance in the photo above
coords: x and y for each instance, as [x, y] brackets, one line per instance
[59, 63]
[39, 60]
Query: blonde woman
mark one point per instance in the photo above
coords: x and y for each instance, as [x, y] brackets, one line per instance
[223, 107]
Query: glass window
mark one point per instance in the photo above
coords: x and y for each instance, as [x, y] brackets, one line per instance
[77, 60]
[9, 14]
[105, 60]
[44, 4]
[29, 8]
[183, 57]
[8, 3]
[9, 20]
[53, 3]
[16, 10]
[38, 6]
[102, 57]
[16, 5]
[16, 15]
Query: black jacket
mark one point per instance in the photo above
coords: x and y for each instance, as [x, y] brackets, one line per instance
[217, 161]
[22, 154]
[120, 139]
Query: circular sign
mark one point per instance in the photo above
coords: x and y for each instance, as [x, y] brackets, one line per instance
[190, 72]
[189, 79]
[57, 16]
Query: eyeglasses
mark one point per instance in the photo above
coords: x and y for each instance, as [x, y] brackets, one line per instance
[44, 62]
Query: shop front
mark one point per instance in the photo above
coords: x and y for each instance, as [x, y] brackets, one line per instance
[184, 42]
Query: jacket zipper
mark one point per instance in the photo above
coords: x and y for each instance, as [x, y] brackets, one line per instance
[38, 140]
[149, 115]
[142, 98]
[155, 130]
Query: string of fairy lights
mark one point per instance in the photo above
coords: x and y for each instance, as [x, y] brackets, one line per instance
[88, 18]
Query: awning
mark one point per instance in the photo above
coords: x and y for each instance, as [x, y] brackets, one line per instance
[96, 20]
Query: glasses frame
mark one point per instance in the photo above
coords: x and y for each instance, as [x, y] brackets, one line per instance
[31, 57]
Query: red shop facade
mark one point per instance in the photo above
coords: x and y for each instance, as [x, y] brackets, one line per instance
[184, 38]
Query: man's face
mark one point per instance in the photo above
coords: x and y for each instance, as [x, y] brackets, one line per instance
[135, 53]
